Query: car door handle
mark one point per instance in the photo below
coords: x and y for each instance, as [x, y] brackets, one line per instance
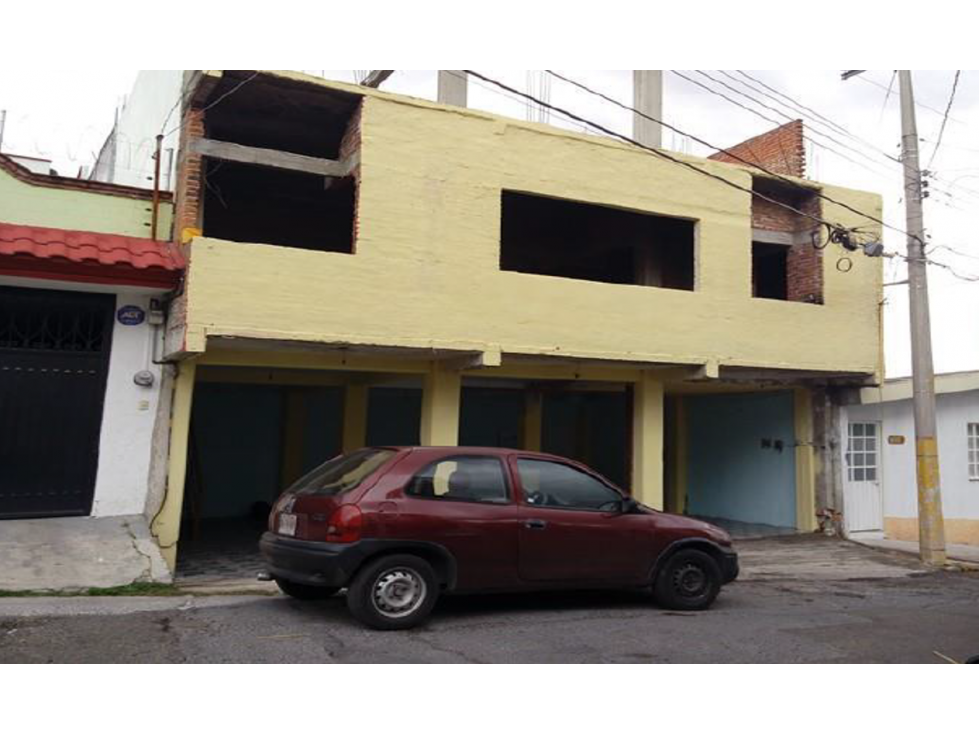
[535, 524]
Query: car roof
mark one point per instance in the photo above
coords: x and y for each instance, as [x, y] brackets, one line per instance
[435, 451]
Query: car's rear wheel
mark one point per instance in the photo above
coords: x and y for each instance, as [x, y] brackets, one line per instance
[690, 580]
[305, 591]
[393, 593]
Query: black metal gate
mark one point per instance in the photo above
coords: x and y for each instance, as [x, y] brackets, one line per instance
[54, 357]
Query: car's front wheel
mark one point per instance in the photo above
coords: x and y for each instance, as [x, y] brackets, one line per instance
[393, 593]
[690, 580]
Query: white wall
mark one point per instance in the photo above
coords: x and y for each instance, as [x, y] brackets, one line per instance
[128, 418]
[960, 496]
[128, 159]
[130, 411]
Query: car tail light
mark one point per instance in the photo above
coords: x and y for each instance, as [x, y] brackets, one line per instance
[345, 525]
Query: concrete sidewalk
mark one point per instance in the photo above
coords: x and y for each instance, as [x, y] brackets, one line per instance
[71, 553]
[962, 553]
[819, 558]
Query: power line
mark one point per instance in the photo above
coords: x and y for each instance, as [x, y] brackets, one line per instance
[738, 158]
[775, 122]
[948, 108]
[834, 228]
[878, 172]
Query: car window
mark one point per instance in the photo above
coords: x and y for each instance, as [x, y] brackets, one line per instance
[461, 478]
[342, 473]
[550, 484]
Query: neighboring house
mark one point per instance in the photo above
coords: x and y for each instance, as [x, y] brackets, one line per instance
[879, 476]
[368, 268]
[82, 296]
[152, 108]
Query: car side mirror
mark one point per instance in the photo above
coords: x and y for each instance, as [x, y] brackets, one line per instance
[628, 506]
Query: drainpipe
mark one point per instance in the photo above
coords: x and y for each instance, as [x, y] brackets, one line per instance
[156, 186]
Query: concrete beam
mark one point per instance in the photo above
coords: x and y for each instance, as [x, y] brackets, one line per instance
[272, 158]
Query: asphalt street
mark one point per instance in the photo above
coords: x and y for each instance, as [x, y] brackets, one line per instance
[895, 612]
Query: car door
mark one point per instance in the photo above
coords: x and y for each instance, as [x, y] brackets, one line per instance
[465, 504]
[572, 528]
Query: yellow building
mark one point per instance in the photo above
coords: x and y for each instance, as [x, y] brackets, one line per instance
[371, 268]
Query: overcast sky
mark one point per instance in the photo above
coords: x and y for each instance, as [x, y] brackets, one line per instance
[65, 116]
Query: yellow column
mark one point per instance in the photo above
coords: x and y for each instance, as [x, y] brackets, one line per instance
[354, 417]
[533, 420]
[805, 463]
[166, 524]
[678, 492]
[440, 407]
[647, 441]
[293, 433]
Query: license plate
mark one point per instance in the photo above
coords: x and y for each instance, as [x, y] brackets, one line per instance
[287, 524]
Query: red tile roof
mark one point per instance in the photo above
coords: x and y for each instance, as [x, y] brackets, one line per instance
[88, 256]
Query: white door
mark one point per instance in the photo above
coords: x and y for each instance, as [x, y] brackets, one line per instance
[863, 505]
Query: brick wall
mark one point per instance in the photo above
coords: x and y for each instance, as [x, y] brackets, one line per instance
[349, 146]
[781, 150]
[188, 205]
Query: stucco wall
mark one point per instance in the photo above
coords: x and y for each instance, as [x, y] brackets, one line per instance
[22, 202]
[426, 269]
[960, 496]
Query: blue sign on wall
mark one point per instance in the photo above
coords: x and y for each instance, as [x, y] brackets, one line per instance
[131, 315]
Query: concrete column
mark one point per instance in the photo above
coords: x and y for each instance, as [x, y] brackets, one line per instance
[805, 463]
[647, 97]
[293, 432]
[678, 489]
[166, 524]
[453, 88]
[647, 441]
[533, 420]
[441, 394]
[354, 417]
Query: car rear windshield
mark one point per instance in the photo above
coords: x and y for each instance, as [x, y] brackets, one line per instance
[343, 473]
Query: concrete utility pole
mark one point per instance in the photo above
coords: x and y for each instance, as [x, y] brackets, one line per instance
[931, 522]
[3, 125]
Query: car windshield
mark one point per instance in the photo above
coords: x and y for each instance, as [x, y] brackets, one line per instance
[342, 473]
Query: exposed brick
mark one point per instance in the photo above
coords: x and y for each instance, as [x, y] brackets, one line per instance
[781, 150]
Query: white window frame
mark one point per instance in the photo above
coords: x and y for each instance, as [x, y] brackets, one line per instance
[857, 446]
[972, 450]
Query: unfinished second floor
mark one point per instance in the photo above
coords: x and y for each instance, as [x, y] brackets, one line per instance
[326, 213]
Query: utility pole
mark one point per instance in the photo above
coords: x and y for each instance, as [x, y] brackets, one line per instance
[931, 522]
[3, 125]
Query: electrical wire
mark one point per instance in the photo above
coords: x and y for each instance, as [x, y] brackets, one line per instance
[798, 106]
[833, 228]
[948, 108]
[697, 139]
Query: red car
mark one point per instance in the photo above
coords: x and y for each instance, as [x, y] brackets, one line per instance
[397, 527]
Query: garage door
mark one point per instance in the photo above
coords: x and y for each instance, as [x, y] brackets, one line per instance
[54, 350]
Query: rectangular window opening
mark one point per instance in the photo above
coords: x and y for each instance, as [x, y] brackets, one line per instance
[786, 266]
[769, 271]
[573, 239]
[271, 198]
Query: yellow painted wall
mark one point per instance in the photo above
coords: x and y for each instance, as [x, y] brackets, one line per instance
[41, 206]
[957, 530]
[426, 272]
